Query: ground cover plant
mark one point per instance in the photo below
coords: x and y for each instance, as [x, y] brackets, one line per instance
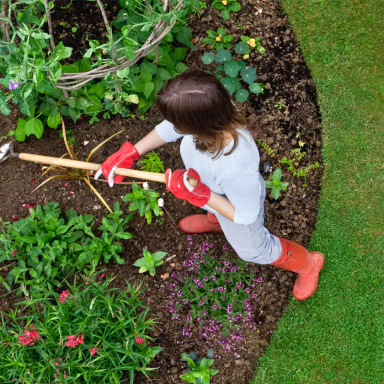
[336, 337]
[199, 371]
[282, 72]
[47, 246]
[91, 333]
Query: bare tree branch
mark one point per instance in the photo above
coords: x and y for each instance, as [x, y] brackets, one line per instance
[50, 29]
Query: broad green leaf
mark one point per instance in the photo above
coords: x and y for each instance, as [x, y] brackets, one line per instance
[234, 7]
[223, 55]
[277, 174]
[208, 58]
[20, 134]
[248, 75]
[275, 192]
[97, 89]
[40, 35]
[123, 73]
[230, 84]
[242, 95]
[61, 52]
[35, 127]
[71, 68]
[94, 105]
[184, 36]
[225, 14]
[241, 48]
[54, 122]
[164, 74]
[231, 68]
[181, 67]
[148, 88]
[255, 88]
[149, 67]
[180, 53]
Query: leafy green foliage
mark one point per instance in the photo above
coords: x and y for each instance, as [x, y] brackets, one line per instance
[31, 71]
[46, 246]
[150, 261]
[144, 201]
[232, 69]
[199, 371]
[110, 327]
[152, 163]
[276, 184]
[216, 288]
[248, 43]
[218, 39]
[226, 7]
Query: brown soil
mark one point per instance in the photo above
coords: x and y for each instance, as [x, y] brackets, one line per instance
[284, 72]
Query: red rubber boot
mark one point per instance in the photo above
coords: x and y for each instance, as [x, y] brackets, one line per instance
[294, 257]
[200, 224]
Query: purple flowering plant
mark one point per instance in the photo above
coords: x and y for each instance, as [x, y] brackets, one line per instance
[216, 288]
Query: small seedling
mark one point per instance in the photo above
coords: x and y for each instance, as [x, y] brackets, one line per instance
[267, 148]
[219, 39]
[152, 163]
[276, 184]
[280, 105]
[145, 201]
[150, 261]
[226, 6]
[199, 371]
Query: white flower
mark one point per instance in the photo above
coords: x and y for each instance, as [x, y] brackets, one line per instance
[160, 202]
[146, 186]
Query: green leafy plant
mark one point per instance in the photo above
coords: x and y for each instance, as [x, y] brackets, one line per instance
[226, 7]
[247, 44]
[265, 146]
[145, 201]
[90, 334]
[199, 371]
[150, 261]
[152, 163]
[280, 105]
[232, 70]
[219, 39]
[46, 246]
[276, 184]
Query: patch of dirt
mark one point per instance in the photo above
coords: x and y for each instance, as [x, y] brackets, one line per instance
[286, 78]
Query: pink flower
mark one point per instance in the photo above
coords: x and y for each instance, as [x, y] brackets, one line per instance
[14, 252]
[66, 185]
[74, 340]
[63, 297]
[70, 191]
[93, 351]
[57, 363]
[139, 340]
[29, 337]
[15, 218]
[102, 275]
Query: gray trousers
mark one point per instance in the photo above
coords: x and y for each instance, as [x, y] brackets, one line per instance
[252, 242]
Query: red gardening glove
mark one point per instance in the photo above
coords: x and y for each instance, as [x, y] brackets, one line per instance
[177, 183]
[124, 158]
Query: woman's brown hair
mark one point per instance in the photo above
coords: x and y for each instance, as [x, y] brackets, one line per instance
[197, 104]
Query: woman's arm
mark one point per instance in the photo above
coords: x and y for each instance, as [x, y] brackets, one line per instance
[149, 142]
[222, 205]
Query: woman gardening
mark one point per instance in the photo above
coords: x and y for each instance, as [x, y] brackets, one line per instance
[222, 156]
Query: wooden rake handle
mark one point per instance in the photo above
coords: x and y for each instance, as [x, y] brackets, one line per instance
[67, 163]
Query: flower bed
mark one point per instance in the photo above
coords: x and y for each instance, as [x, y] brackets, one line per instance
[283, 120]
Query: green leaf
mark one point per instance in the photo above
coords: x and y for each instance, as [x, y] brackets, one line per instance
[275, 192]
[54, 122]
[248, 75]
[277, 174]
[223, 55]
[61, 52]
[208, 58]
[149, 67]
[123, 73]
[230, 84]
[74, 114]
[181, 67]
[241, 48]
[184, 36]
[95, 105]
[97, 89]
[35, 127]
[28, 239]
[148, 88]
[164, 74]
[231, 68]
[255, 88]
[123, 235]
[40, 35]
[180, 53]
[20, 134]
[242, 95]
[234, 7]
[225, 14]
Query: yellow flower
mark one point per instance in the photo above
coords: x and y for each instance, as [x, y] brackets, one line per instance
[218, 38]
[224, 2]
[251, 42]
[246, 56]
[301, 143]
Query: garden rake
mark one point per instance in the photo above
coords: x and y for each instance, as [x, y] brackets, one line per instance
[7, 151]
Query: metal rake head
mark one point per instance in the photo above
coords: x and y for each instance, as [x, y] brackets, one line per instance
[6, 151]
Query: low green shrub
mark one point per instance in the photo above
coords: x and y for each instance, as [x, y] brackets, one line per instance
[46, 246]
[91, 334]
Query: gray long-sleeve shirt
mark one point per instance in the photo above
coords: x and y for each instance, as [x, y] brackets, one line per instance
[235, 176]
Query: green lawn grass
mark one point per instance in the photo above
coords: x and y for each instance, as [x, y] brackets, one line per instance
[337, 336]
